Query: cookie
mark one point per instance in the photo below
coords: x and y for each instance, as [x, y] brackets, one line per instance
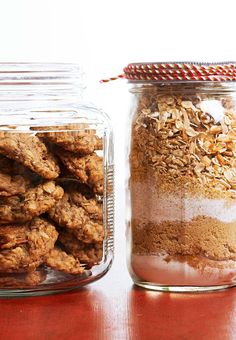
[88, 169]
[89, 254]
[17, 260]
[12, 185]
[83, 142]
[90, 205]
[34, 202]
[30, 151]
[13, 181]
[58, 259]
[24, 280]
[41, 236]
[12, 235]
[67, 214]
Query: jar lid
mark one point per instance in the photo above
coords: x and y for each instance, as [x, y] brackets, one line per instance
[181, 71]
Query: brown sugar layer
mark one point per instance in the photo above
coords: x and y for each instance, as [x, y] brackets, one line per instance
[203, 236]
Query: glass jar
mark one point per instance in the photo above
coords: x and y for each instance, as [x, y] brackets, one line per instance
[56, 181]
[182, 176]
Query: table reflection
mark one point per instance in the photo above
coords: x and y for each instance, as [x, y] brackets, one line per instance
[74, 315]
[209, 316]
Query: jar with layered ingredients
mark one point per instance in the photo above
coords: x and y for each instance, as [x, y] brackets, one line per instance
[182, 176]
[56, 181]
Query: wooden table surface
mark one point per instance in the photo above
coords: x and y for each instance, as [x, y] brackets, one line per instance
[113, 308]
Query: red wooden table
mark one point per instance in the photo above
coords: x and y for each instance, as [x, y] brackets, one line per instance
[114, 309]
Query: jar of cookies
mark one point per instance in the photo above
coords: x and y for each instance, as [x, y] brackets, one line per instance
[56, 181]
[182, 176]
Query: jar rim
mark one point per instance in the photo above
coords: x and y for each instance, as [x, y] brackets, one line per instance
[24, 72]
[38, 80]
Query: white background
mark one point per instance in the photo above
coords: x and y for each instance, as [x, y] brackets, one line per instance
[104, 35]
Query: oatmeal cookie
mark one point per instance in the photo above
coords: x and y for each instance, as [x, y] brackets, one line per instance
[88, 169]
[83, 142]
[66, 214]
[90, 232]
[35, 202]
[12, 235]
[41, 237]
[22, 280]
[12, 185]
[13, 180]
[30, 151]
[90, 205]
[88, 254]
[58, 259]
[17, 260]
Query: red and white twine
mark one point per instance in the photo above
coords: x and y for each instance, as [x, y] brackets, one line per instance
[178, 72]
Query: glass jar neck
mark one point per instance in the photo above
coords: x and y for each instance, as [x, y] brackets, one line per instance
[186, 87]
[37, 84]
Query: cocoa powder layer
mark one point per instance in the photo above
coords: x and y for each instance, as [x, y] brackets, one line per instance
[203, 236]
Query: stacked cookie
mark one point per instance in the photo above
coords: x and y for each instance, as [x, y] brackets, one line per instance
[50, 215]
